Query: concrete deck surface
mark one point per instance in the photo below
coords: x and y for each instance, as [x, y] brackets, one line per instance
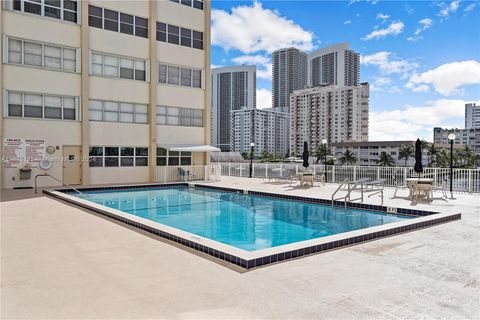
[59, 261]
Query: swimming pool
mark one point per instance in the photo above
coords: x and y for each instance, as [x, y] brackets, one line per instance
[244, 227]
[248, 222]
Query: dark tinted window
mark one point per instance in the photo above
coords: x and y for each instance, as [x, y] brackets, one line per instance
[34, 8]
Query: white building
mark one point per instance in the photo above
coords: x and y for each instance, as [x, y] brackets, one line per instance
[463, 137]
[104, 89]
[334, 65]
[368, 153]
[233, 88]
[472, 116]
[268, 129]
[337, 114]
[289, 73]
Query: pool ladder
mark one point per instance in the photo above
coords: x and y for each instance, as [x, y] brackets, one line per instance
[63, 183]
[350, 188]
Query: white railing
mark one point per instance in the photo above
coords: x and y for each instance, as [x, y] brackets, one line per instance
[166, 174]
[463, 179]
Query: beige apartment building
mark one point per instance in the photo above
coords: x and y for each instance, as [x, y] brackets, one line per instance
[103, 91]
[334, 113]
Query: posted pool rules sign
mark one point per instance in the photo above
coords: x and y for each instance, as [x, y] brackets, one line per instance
[16, 151]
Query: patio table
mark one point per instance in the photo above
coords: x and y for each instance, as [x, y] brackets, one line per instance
[420, 187]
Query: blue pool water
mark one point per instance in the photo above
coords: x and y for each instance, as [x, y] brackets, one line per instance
[247, 222]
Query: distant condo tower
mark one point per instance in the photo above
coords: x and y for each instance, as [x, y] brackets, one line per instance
[472, 116]
[233, 88]
[335, 65]
[289, 74]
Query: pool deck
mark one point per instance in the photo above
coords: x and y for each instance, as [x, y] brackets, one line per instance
[59, 261]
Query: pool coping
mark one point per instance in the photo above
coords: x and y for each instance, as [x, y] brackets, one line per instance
[253, 259]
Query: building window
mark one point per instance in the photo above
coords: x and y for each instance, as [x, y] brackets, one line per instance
[186, 77]
[117, 21]
[198, 40]
[173, 158]
[111, 111]
[41, 55]
[106, 65]
[66, 10]
[118, 156]
[179, 36]
[197, 4]
[174, 116]
[41, 106]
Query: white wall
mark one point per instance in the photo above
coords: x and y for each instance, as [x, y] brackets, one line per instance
[55, 133]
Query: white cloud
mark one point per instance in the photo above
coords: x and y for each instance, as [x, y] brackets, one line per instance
[254, 28]
[352, 2]
[395, 28]
[448, 8]
[246, 59]
[264, 66]
[447, 78]
[470, 7]
[411, 122]
[425, 24]
[347, 21]
[382, 16]
[213, 66]
[388, 64]
[414, 38]
[384, 85]
[264, 98]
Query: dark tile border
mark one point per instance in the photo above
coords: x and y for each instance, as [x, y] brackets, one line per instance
[268, 259]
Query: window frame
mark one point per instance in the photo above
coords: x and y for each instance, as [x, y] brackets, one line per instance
[43, 55]
[118, 157]
[119, 66]
[194, 118]
[62, 9]
[43, 106]
[195, 75]
[101, 109]
[172, 156]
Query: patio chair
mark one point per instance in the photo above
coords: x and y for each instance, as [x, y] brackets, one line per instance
[375, 185]
[442, 187]
[398, 186]
[185, 175]
[287, 176]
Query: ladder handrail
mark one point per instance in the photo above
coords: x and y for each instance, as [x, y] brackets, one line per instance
[49, 175]
[339, 187]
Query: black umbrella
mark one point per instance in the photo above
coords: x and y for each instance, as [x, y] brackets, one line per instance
[418, 157]
[305, 154]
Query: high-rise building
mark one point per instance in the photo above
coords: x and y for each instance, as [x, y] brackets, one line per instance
[289, 73]
[266, 128]
[334, 65]
[107, 91]
[233, 88]
[472, 116]
[337, 114]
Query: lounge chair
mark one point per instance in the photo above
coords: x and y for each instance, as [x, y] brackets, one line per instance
[185, 175]
[286, 176]
[375, 185]
[442, 187]
[398, 186]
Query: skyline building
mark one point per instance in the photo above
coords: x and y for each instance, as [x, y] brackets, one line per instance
[289, 73]
[337, 114]
[334, 65]
[267, 128]
[472, 116]
[233, 88]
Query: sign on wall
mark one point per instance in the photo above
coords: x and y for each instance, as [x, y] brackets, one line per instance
[18, 152]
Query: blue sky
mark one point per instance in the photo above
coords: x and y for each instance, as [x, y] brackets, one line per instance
[421, 58]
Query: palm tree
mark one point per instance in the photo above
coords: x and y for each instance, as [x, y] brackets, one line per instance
[385, 160]
[405, 152]
[348, 157]
[321, 152]
[432, 153]
[265, 155]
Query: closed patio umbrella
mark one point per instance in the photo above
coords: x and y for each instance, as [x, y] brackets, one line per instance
[418, 157]
[305, 155]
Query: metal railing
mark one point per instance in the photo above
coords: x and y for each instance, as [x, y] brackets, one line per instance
[465, 180]
[58, 180]
[166, 174]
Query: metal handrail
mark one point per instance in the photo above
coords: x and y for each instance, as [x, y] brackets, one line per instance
[48, 175]
[346, 196]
